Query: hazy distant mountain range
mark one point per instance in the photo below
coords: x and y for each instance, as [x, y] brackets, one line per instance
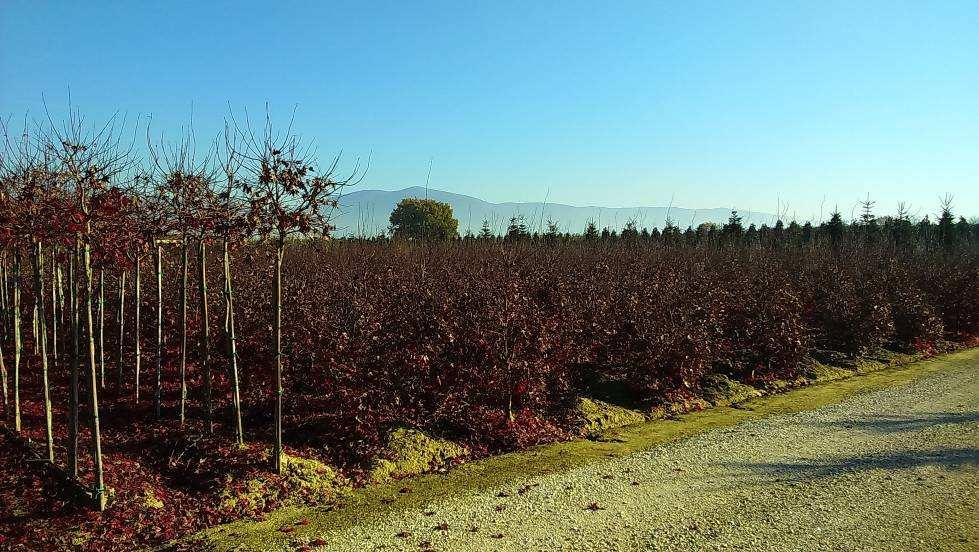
[366, 212]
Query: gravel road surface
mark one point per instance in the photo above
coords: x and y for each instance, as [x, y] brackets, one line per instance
[896, 469]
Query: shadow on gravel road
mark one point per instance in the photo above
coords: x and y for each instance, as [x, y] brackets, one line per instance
[949, 458]
[897, 424]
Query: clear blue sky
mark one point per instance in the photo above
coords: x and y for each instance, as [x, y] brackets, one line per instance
[713, 104]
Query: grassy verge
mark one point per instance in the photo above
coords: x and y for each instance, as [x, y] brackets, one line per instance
[296, 526]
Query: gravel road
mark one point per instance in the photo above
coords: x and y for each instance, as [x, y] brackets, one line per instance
[890, 470]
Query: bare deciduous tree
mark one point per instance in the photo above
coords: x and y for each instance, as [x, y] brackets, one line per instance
[287, 196]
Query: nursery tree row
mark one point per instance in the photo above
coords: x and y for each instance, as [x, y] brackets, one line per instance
[83, 206]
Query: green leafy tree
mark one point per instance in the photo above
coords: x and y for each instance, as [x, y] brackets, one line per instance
[924, 231]
[807, 232]
[835, 228]
[423, 219]
[963, 230]
[868, 224]
[630, 233]
[517, 229]
[705, 231]
[733, 228]
[689, 235]
[778, 231]
[671, 232]
[591, 231]
[946, 224]
[901, 229]
[553, 234]
[486, 233]
[794, 233]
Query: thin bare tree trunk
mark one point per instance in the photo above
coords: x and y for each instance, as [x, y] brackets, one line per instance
[18, 341]
[98, 491]
[158, 396]
[102, 328]
[278, 465]
[3, 377]
[4, 295]
[205, 332]
[42, 336]
[229, 326]
[61, 297]
[3, 327]
[35, 341]
[136, 325]
[183, 332]
[75, 362]
[55, 311]
[122, 331]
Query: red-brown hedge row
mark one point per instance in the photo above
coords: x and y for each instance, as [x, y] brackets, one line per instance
[490, 343]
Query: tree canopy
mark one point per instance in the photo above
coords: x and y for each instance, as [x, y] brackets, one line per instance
[423, 219]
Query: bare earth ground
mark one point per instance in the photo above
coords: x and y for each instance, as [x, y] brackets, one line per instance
[892, 469]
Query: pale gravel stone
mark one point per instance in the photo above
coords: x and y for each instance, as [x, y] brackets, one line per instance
[890, 470]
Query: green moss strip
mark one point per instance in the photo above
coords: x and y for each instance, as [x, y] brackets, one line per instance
[721, 390]
[374, 502]
[411, 452]
[599, 418]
